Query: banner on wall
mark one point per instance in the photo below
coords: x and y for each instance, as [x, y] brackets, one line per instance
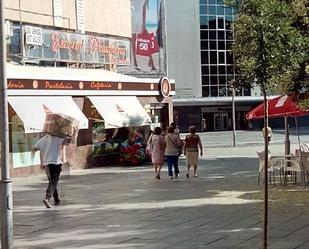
[146, 34]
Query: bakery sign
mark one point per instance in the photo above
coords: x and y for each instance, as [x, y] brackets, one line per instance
[46, 44]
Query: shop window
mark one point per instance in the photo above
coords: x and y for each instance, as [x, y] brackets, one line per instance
[203, 9]
[229, 57]
[229, 35]
[214, 80]
[229, 70]
[220, 22]
[204, 22]
[222, 91]
[211, 9]
[222, 80]
[228, 22]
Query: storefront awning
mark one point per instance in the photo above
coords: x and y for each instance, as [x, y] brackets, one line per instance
[32, 113]
[120, 111]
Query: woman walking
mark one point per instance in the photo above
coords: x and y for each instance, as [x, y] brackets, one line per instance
[156, 147]
[173, 143]
[192, 144]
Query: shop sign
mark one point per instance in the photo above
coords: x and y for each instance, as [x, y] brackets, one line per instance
[46, 44]
[165, 87]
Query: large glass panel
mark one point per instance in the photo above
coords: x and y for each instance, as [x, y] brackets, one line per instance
[204, 34]
[221, 45]
[204, 57]
[229, 70]
[212, 22]
[212, 1]
[212, 35]
[229, 44]
[228, 22]
[229, 57]
[214, 80]
[220, 10]
[205, 91]
[205, 80]
[222, 91]
[222, 80]
[203, 9]
[221, 57]
[204, 22]
[221, 35]
[229, 35]
[203, 1]
[213, 57]
[204, 44]
[213, 45]
[229, 11]
[221, 69]
[205, 69]
[220, 22]
[213, 70]
[214, 91]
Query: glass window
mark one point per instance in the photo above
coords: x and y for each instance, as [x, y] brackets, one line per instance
[214, 80]
[203, 1]
[213, 45]
[204, 57]
[205, 80]
[205, 91]
[213, 57]
[203, 9]
[229, 57]
[221, 57]
[204, 34]
[220, 24]
[222, 80]
[205, 70]
[214, 91]
[212, 22]
[212, 1]
[229, 44]
[221, 69]
[221, 45]
[229, 70]
[222, 91]
[204, 44]
[212, 35]
[228, 22]
[229, 35]
[229, 11]
[204, 22]
[221, 35]
[213, 70]
[220, 10]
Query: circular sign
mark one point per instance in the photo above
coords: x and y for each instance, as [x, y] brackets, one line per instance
[165, 87]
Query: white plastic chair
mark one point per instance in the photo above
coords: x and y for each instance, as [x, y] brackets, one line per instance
[293, 166]
[273, 166]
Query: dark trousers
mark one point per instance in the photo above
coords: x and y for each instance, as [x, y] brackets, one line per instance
[53, 174]
[172, 161]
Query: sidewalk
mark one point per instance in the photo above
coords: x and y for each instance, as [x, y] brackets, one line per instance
[120, 207]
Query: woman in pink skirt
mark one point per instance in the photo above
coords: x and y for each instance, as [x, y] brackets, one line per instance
[157, 147]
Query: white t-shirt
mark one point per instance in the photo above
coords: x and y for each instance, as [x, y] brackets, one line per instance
[50, 148]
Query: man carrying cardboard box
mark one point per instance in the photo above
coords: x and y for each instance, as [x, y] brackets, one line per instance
[51, 148]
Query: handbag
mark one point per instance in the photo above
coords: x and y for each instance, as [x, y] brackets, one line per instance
[146, 44]
[179, 147]
[149, 146]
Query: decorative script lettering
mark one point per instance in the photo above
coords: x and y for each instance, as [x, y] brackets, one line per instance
[16, 85]
[58, 43]
[100, 85]
[58, 85]
[96, 46]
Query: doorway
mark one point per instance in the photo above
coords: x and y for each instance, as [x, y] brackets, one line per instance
[221, 121]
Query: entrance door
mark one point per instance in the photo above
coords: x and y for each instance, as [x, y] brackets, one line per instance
[221, 121]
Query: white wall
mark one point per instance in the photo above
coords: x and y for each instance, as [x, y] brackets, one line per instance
[183, 46]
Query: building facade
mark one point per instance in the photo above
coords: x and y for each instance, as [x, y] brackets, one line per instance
[69, 52]
[200, 60]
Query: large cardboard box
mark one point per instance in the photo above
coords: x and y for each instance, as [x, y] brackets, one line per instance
[60, 125]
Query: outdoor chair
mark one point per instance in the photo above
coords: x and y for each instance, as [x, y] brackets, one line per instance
[274, 165]
[292, 166]
[304, 161]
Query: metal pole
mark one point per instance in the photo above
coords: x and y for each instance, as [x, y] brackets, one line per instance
[5, 182]
[233, 116]
[287, 136]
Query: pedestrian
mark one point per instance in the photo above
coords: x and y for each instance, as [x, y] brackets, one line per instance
[173, 143]
[191, 148]
[269, 133]
[51, 153]
[156, 146]
[176, 132]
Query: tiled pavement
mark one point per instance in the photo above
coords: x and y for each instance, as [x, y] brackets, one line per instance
[117, 207]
